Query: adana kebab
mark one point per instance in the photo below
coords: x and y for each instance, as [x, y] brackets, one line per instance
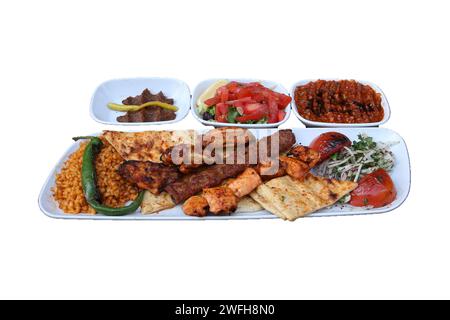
[212, 176]
[154, 177]
[158, 177]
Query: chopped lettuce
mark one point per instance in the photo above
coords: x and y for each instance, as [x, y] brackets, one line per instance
[211, 110]
[260, 121]
[232, 114]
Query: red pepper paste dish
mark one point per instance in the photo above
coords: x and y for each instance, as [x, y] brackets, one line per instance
[343, 101]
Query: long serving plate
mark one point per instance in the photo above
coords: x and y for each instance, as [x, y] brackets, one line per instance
[401, 175]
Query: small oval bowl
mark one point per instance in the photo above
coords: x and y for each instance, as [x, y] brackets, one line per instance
[202, 86]
[118, 89]
[310, 123]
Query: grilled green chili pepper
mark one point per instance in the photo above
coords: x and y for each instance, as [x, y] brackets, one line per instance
[89, 182]
[125, 108]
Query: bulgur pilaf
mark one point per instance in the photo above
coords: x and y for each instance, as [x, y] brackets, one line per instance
[114, 190]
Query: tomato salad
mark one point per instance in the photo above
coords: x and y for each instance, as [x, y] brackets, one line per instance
[247, 103]
[364, 161]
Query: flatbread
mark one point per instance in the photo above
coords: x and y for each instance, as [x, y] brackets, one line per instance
[155, 203]
[266, 204]
[146, 145]
[247, 204]
[291, 199]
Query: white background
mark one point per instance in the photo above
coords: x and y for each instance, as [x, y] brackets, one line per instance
[54, 54]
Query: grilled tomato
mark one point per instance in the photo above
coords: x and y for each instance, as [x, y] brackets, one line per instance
[329, 143]
[375, 189]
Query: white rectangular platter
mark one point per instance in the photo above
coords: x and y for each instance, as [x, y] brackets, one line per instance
[401, 175]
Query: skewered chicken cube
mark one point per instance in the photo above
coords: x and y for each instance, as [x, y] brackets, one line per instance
[305, 154]
[245, 183]
[295, 168]
[269, 170]
[220, 200]
[196, 206]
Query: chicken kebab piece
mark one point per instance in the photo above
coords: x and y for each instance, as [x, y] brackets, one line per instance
[148, 175]
[182, 183]
[213, 175]
[224, 199]
[154, 177]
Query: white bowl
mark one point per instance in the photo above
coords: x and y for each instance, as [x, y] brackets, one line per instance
[310, 123]
[118, 89]
[202, 86]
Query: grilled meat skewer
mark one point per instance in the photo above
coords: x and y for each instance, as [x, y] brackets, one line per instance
[212, 176]
[221, 200]
[148, 175]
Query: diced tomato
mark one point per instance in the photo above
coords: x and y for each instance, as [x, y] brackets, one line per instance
[284, 101]
[257, 115]
[224, 96]
[376, 189]
[260, 95]
[252, 107]
[221, 112]
[281, 115]
[273, 111]
[212, 101]
[232, 96]
[221, 118]
[329, 143]
[223, 108]
[252, 99]
[217, 113]
[239, 104]
[223, 93]
[246, 100]
[233, 86]
[244, 92]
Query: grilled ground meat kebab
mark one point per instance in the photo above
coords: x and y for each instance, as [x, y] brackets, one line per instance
[212, 176]
[149, 175]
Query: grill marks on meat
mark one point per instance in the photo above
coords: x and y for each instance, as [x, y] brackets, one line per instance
[148, 175]
[149, 114]
[305, 154]
[286, 139]
[157, 177]
[221, 200]
[212, 176]
[196, 206]
[207, 177]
